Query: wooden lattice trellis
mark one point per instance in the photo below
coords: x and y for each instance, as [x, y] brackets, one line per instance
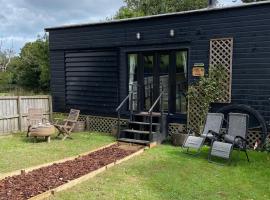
[196, 113]
[98, 123]
[221, 53]
[103, 124]
[176, 128]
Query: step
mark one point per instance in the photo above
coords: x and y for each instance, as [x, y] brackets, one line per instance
[133, 141]
[154, 114]
[143, 123]
[136, 131]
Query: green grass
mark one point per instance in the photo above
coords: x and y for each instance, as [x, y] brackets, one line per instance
[19, 152]
[164, 173]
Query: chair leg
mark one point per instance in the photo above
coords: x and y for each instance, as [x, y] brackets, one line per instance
[64, 138]
[193, 154]
[247, 155]
[28, 131]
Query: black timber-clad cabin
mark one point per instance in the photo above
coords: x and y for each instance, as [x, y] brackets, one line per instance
[93, 65]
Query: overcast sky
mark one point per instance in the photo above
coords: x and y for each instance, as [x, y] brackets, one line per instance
[23, 20]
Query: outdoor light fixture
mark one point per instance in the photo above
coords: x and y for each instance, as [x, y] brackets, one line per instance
[172, 33]
[138, 35]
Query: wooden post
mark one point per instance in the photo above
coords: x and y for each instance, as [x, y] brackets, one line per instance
[19, 99]
[87, 123]
[50, 107]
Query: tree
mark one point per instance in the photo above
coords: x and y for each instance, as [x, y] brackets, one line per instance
[31, 68]
[136, 8]
[5, 56]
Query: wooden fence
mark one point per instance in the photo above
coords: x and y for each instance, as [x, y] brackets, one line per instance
[14, 109]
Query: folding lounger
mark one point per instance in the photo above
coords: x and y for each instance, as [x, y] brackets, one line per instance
[234, 139]
[213, 123]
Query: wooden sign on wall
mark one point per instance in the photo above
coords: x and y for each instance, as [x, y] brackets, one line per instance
[198, 70]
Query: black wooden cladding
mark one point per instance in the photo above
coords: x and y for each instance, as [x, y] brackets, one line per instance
[91, 80]
[248, 26]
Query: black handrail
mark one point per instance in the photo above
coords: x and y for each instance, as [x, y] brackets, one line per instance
[150, 112]
[118, 109]
[122, 103]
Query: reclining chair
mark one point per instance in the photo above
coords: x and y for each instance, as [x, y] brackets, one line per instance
[234, 139]
[213, 123]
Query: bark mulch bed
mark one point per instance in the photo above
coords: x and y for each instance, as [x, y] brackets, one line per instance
[27, 185]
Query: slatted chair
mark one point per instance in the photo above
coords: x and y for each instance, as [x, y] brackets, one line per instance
[235, 138]
[69, 124]
[213, 123]
[34, 118]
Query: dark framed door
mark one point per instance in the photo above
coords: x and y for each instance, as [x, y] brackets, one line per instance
[157, 71]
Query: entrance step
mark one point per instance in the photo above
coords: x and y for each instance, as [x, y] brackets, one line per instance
[144, 142]
[136, 131]
[154, 114]
[143, 123]
[143, 126]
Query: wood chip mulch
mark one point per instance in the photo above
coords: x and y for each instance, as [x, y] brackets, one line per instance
[27, 185]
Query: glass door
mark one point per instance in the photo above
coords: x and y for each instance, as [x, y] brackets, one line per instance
[148, 81]
[163, 77]
[150, 73]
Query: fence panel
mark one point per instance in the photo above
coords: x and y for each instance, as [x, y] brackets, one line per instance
[13, 111]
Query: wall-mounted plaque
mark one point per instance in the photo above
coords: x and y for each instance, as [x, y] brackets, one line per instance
[198, 69]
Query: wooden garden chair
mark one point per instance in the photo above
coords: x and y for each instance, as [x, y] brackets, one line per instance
[34, 118]
[66, 128]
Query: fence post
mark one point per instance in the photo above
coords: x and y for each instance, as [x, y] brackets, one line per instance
[50, 107]
[87, 123]
[19, 99]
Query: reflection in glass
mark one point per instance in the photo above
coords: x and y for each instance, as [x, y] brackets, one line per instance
[181, 81]
[164, 78]
[133, 78]
[148, 61]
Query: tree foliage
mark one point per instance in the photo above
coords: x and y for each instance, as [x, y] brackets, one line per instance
[30, 69]
[136, 8]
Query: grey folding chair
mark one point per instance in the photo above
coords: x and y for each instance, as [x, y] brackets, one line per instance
[212, 125]
[234, 139]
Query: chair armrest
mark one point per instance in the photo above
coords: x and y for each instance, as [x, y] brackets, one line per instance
[240, 137]
[45, 119]
[242, 144]
[215, 133]
[72, 121]
[190, 131]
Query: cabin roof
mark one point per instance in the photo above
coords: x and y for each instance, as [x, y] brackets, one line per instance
[244, 5]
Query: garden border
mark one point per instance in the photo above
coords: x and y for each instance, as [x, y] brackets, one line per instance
[85, 177]
[18, 172]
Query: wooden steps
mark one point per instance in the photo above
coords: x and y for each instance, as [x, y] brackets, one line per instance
[140, 130]
[144, 142]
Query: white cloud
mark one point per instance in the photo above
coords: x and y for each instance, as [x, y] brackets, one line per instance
[22, 20]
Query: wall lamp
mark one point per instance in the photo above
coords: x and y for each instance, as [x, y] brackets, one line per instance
[172, 33]
[138, 36]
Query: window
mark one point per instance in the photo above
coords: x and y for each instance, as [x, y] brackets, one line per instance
[181, 81]
[133, 78]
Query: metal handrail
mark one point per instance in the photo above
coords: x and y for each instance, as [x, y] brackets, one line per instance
[154, 105]
[122, 103]
[118, 109]
[150, 112]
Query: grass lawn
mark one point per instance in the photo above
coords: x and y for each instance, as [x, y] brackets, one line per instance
[165, 173]
[19, 152]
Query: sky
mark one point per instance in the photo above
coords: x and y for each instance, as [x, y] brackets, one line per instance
[22, 20]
